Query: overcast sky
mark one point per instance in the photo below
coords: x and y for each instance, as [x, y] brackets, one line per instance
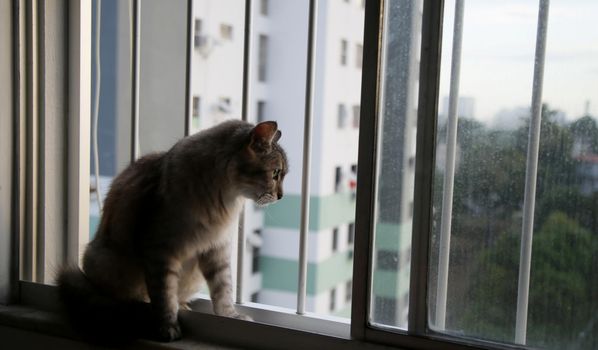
[498, 55]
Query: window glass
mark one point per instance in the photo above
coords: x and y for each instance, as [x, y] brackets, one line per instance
[398, 117]
[497, 62]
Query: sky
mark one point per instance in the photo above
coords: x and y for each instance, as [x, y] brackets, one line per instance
[498, 55]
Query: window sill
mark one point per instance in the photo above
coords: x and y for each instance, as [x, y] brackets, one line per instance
[25, 325]
[274, 328]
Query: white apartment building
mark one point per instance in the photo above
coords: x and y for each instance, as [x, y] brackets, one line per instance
[277, 92]
[278, 74]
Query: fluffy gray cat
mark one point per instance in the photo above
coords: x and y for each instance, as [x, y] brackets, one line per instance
[163, 231]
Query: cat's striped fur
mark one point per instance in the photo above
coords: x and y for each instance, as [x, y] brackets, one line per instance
[163, 228]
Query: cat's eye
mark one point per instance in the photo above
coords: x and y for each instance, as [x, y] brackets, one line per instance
[275, 173]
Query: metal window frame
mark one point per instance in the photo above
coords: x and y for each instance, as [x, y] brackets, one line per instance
[9, 140]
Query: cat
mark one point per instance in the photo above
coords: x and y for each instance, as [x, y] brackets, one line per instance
[163, 231]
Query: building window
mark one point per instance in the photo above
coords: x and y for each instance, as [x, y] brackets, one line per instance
[358, 55]
[344, 48]
[356, 110]
[198, 39]
[196, 107]
[224, 105]
[338, 175]
[351, 233]
[387, 260]
[262, 57]
[255, 297]
[348, 291]
[226, 31]
[255, 260]
[341, 116]
[264, 7]
[333, 299]
[335, 239]
[261, 111]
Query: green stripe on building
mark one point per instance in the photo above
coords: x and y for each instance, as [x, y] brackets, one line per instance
[324, 212]
[282, 274]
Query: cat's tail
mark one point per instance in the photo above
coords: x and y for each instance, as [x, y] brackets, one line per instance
[98, 317]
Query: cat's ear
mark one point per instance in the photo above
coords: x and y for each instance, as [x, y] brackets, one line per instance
[277, 136]
[262, 136]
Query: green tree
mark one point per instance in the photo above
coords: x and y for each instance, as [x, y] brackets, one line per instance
[563, 288]
[486, 233]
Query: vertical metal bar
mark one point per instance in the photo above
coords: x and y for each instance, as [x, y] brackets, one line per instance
[188, 97]
[240, 257]
[427, 113]
[31, 216]
[96, 106]
[79, 83]
[365, 200]
[8, 151]
[531, 174]
[305, 190]
[40, 249]
[247, 50]
[135, 68]
[449, 173]
[21, 131]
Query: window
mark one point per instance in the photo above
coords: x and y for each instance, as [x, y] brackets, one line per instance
[356, 110]
[358, 55]
[335, 239]
[261, 111]
[351, 234]
[198, 39]
[262, 57]
[226, 31]
[387, 260]
[264, 7]
[196, 106]
[196, 112]
[224, 105]
[341, 116]
[348, 291]
[255, 260]
[343, 52]
[332, 305]
[338, 175]
[401, 218]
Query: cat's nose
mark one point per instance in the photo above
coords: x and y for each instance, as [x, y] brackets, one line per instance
[279, 195]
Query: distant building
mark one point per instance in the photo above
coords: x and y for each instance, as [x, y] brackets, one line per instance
[587, 171]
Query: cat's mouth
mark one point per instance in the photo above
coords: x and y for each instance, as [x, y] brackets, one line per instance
[265, 198]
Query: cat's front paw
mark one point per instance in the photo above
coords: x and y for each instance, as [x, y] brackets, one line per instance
[169, 332]
[242, 317]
